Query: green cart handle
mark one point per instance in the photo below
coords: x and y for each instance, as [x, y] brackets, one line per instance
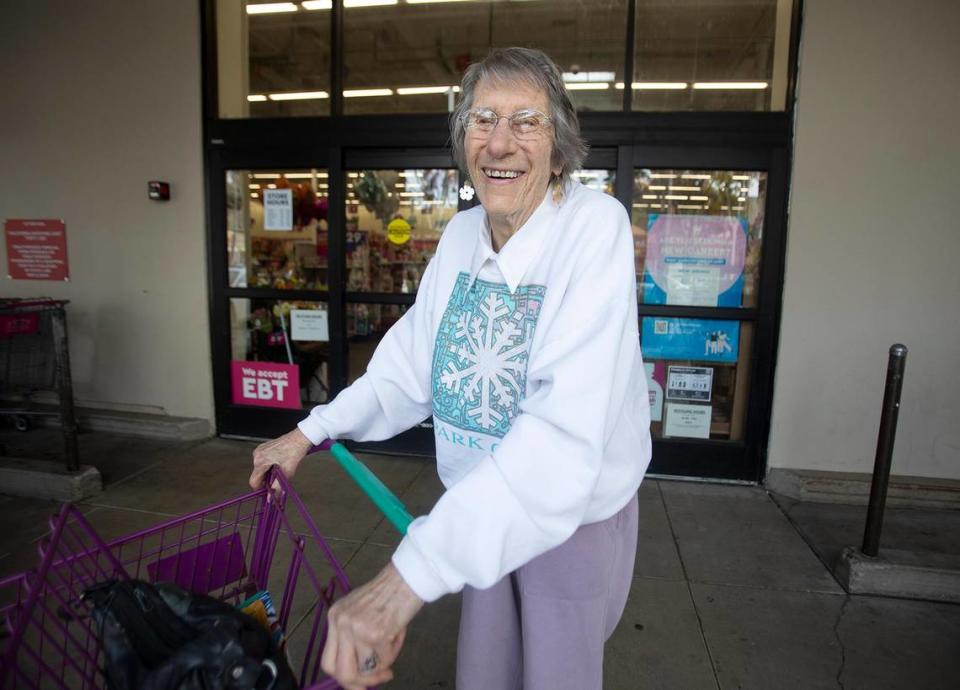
[388, 504]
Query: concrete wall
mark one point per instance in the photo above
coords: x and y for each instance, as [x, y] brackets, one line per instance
[874, 239]
[97, 99]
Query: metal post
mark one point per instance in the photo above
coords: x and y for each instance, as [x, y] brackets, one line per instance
[68, 422]
[881, 466]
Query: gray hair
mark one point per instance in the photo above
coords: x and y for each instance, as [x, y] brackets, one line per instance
[533, 66]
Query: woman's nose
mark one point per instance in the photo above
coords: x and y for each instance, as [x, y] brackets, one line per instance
[501, 140]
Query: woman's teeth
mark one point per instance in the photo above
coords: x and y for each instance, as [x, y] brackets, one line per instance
[502, 173]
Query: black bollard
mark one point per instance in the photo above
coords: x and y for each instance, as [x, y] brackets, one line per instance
[884, 458]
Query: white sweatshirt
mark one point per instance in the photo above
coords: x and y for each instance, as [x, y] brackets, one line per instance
[529, 361]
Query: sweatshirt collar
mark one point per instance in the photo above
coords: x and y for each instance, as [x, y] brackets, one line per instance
[520, 251]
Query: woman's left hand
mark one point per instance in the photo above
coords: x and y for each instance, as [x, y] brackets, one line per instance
[366, 630]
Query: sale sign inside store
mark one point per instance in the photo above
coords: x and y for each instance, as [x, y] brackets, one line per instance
[265, 384]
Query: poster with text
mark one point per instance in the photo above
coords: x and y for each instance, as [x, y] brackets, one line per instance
[687, 421]
[309, 324]
[36, 250]
[694, 260]
[278, 209]
[708, 340]
[265, 384]
[694, 384]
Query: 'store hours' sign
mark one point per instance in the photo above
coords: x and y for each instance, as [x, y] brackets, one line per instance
[36, 250]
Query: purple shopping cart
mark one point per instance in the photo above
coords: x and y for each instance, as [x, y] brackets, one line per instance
[262, 540]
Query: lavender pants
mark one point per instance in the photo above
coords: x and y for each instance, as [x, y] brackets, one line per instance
[543, 626]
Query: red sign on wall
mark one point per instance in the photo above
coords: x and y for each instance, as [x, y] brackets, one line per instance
[265, 384]
[37, 250]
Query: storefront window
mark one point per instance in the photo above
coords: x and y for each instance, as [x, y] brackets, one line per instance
[394, 222]
[711, 55]
[277, 229]
[698, 235]
[408, 56]
[698, 375]
[366, 326]
[279, 353]
[601, 180]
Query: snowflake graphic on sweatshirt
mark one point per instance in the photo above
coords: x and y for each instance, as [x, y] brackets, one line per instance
[481, 352]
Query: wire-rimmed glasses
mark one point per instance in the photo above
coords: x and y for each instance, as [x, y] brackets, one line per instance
[525, 124]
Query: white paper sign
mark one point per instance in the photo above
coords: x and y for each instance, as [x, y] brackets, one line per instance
[278, 209]
[689, 383]
[309, 324]
[687, 421]
[695, 286]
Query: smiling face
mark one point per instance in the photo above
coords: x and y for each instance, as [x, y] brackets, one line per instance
[510, 175]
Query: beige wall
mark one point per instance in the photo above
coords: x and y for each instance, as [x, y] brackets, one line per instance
[874, 239]
[97, 99]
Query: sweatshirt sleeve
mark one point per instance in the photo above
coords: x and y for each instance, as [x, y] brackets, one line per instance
[531, 493]
[394, 393]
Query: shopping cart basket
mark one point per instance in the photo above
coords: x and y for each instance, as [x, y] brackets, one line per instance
[262, 540]
[34, 357]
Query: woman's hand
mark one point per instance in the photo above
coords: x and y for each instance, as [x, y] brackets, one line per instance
[286, 451]
[366, 630]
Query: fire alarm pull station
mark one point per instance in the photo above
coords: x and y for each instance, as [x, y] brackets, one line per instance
[159, 191]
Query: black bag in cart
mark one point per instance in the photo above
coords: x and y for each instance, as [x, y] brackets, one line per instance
[160, 637]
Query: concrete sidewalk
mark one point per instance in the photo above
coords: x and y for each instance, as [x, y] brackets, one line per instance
[731, 588]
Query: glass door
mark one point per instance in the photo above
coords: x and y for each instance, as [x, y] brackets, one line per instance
[701, 251]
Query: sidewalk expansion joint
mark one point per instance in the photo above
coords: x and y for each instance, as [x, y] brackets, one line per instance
[843, 649]
[686, 577]
[808, 542]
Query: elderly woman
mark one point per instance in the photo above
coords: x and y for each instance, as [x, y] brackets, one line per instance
[523, 345]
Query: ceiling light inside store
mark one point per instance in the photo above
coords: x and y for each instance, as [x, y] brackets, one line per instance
[299, 96]
[663, 176]
[658, 187]
[587, 86]
[253, 186]
[254, 195]
[740, 177]
[430, 2]
[363, 93]
[675, 197]
[650, 196]
[256, 98]
[411, 193]
[688, 207]
[271, 8]
[741, 199]
[327, 4]
[655, 85]
[696, 176]
[271, 186]
[674, 188]
[730, 85]
[699, 198]
[419, 90]
[588, 76]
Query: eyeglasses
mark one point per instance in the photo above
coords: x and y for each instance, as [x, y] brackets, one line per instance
[525, 124]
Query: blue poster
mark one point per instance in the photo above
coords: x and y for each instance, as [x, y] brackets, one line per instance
[703, 340]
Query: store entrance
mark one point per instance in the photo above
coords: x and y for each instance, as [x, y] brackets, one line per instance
[320, 262]
[314, 260]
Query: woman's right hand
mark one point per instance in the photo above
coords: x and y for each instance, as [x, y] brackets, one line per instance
[285, 451]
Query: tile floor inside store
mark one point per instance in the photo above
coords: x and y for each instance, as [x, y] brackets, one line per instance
[730, 588]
